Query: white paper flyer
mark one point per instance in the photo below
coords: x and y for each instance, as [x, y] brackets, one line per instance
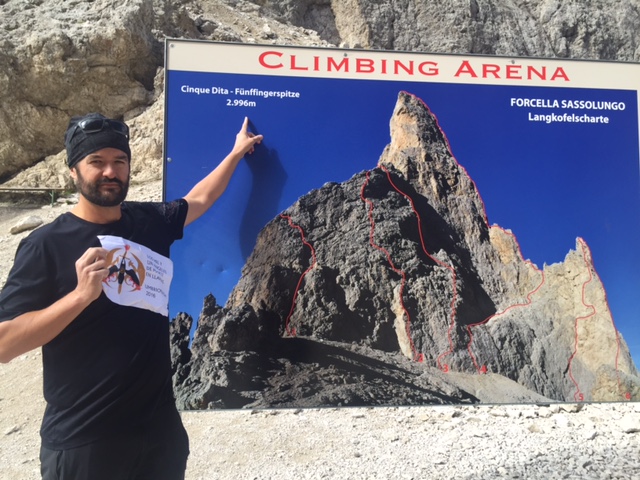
[138, 276]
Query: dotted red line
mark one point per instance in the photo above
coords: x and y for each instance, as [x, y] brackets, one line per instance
[627, 395]
[578, 395]
[445, 367]
[480, 369]
[483, 368]
[454, 278]
[460, 166]
[419, 357]
[292, 332]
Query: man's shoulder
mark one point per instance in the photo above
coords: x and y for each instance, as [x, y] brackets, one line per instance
[133, 206]
[162, 209]
[158, 206]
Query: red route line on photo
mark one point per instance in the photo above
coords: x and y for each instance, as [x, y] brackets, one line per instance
[454, 277]
[486, 219]
[483, 368]
[445, 367]
[419, 357]
[627, 395]
[578, 396]
[292, 332]
[454, 280]
[460, 166]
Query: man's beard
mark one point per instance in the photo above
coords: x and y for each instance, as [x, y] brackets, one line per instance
[102, 198]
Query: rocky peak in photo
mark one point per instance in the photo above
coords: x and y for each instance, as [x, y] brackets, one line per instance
[399, 265]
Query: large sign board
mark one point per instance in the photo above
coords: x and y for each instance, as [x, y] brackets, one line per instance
[552, 147]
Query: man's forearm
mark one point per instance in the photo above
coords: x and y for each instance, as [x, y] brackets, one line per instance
[205, 193]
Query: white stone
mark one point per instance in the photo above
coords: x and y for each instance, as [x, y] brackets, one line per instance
[28, 223]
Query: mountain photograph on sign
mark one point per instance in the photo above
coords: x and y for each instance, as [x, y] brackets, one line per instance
[392, 288]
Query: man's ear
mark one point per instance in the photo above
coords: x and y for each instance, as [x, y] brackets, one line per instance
[73, 172]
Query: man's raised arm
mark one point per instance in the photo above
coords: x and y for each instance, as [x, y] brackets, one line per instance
[205, 193]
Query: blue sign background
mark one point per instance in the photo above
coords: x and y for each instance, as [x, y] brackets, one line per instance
[548, 183]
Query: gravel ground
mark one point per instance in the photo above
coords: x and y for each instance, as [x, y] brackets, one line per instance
[593, 441]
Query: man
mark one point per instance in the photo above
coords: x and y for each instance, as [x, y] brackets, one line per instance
[110, 410]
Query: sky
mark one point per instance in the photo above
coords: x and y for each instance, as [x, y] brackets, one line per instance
[547, 182]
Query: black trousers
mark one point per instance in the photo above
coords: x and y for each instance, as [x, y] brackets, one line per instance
[157, 451]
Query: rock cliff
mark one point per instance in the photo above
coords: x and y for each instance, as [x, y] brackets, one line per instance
[546, 28]
[398, 266]
[60, 58]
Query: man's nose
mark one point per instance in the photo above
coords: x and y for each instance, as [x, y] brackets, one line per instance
[109, 171]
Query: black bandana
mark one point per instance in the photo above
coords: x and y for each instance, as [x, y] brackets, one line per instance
[80, 143]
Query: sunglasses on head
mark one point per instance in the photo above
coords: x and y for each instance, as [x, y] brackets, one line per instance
[93, 125]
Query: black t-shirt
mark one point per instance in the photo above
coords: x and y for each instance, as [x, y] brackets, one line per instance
[109, 369]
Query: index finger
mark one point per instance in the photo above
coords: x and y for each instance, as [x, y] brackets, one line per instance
[94, 253]
[245, 125]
